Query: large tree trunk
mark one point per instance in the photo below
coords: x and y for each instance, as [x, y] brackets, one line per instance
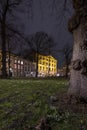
[78, 80]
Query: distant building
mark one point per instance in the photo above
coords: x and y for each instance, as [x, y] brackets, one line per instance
[20, 67]
[62, 71]
[29, 68]
[47, 66]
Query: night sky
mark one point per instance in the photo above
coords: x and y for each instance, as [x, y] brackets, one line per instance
[44, 17]
[48, 17]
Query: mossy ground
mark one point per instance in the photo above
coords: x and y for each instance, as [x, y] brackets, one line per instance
[24, 102]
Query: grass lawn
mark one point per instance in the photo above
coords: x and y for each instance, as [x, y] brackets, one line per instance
[24, 102]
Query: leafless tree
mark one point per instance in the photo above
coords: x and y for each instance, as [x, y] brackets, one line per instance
[38, 42]
[6, 8]
[8, 11]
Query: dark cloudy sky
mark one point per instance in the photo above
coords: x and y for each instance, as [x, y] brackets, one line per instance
[52, 19]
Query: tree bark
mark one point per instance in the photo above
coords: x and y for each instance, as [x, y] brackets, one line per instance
[9, 59]
[37, 64]
[3, 33]
[3, 38]
[78, 79]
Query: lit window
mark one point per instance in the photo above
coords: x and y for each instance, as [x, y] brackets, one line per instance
[21, 62]
[6, 59]
[18, 61]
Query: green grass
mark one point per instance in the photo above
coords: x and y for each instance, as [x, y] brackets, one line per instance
[24, 102]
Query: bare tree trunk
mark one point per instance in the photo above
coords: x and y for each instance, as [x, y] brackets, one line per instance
[36, 64]
[78, 80]
[3, 38]
[67, 70]
[3, 32]
[9, 59]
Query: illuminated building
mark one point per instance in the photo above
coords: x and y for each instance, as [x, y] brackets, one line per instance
[20, 67]
[47, 66]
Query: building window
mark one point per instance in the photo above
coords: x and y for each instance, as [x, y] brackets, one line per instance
[40, 61]
[15, 66]
[7, 59]
[19, 67]
[15, 61]
[25, 68]
[22, 67]
[40, 68]
[21, 62]
[28, 68]
[18, 61]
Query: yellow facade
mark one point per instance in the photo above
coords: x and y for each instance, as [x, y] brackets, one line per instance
[47, 66]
